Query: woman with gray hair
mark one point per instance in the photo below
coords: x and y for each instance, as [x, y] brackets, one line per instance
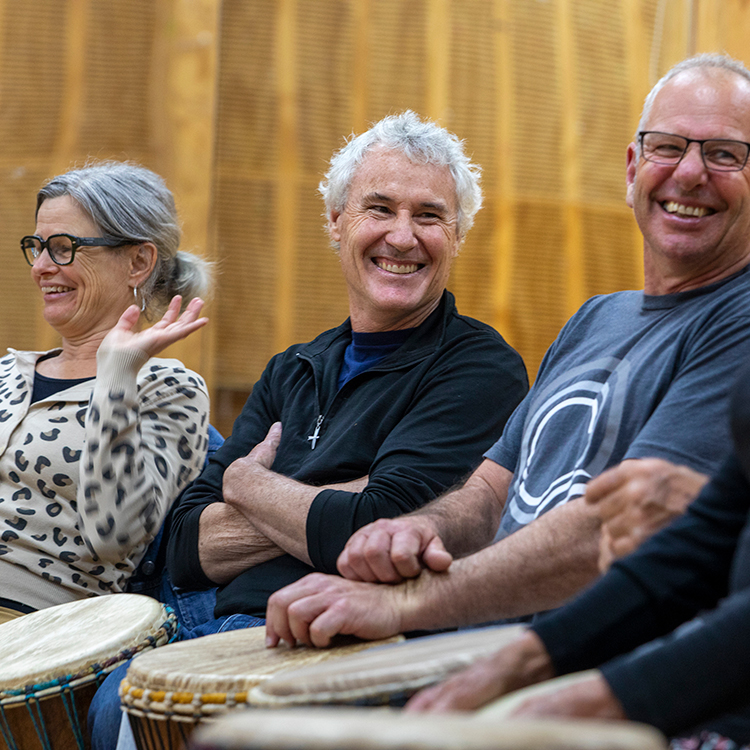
[98, 437]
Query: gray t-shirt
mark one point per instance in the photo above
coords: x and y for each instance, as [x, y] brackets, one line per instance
[629, 376]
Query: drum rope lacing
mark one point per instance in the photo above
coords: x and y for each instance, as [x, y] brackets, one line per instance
[31, 695]
[147, 736]
[170, 703]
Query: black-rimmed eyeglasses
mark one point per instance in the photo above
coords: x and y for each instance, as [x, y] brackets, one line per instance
[62, 247]
[719, 155]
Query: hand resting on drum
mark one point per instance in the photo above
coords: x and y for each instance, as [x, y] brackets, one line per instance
[588, 698]
[392, 549]
[522, 662]
[637, 498]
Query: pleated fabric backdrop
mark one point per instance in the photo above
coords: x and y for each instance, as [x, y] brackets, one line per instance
[240, 103]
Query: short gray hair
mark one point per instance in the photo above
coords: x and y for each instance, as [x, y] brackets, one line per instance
[705, 61]
[421, 141]
[130, 203]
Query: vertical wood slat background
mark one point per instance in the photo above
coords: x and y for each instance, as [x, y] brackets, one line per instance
[239, 104]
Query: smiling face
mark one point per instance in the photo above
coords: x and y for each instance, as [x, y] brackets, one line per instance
[398, 237]
[86, 298]
[695, 222]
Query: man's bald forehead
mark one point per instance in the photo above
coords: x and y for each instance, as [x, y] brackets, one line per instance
[713, 76]
[710, 79]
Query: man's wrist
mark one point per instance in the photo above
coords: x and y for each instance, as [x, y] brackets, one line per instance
[533, 662]
[237, 480]
[427, 522]
[411, 599]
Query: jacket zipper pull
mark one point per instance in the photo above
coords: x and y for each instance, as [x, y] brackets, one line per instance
[316, 433]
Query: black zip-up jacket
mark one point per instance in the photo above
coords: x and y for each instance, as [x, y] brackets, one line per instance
[416, 424]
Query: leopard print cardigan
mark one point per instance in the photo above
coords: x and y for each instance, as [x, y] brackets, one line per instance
[88, 474]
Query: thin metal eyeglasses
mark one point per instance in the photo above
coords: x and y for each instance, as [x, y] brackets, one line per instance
[62, 247]
[718, 154]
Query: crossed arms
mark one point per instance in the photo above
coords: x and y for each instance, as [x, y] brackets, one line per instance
[249, 528]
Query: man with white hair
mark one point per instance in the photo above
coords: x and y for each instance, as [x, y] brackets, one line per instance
[371, 419]
[638, 381]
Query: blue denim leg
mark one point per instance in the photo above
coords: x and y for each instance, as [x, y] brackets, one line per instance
[104, 712]
[105, 715]
[192, 608]
[222, 625]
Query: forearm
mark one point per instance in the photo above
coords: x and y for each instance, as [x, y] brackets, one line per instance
[229, 544]
[538, 568]
[651, 683]
[467, 518]
[143, 445]
[274, 504]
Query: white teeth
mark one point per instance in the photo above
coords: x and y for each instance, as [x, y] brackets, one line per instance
[673, 207]
[393, 268]
[55, 289]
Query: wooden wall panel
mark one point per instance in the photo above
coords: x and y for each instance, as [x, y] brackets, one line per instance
[471, 112]
[246, 306]
[240, 103]
[181, 136]
[33, 87]
[536, 145]
[19, 311]
[397, 48]
[612, 259]
[32, 93]
[537, 297]
[320, 301]
[114, 97]
[247, 101]
[246, 190]
[325, 52]
[604, 128]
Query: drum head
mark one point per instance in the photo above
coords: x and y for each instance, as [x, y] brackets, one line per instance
[383, 729]
[385, 674]
[211, 674]
[66, 639]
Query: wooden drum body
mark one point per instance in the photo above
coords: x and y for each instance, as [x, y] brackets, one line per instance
[346, 728]
[52, 662]
[167, 693]
[387, 675]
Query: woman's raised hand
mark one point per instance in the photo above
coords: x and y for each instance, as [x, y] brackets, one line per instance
[172, 327]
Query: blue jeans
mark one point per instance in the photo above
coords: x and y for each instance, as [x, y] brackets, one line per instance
[193, 608]
[105, 715]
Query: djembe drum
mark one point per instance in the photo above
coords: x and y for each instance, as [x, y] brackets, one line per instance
[345, 728]
[52, 661]
[388, 675]
[167, 693]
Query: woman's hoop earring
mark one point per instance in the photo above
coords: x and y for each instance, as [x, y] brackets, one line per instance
[143, 299]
